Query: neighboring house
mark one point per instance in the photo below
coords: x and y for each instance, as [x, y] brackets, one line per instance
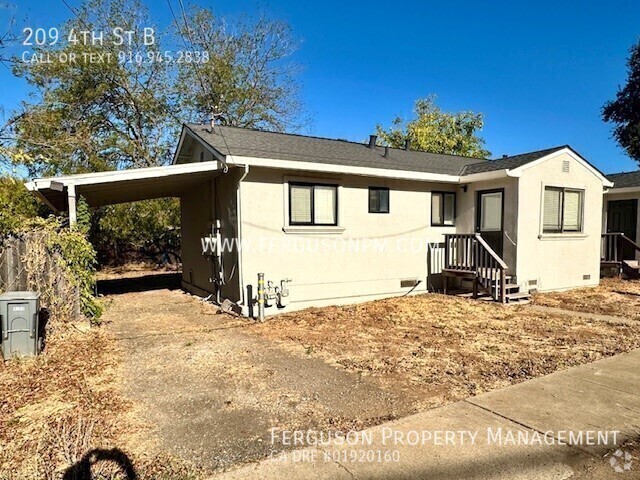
[620, 216]
[348, 222]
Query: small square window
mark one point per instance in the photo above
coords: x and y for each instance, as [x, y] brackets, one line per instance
[378, 200]
[443, 208]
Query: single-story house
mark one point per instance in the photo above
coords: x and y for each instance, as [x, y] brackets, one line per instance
[332, 222]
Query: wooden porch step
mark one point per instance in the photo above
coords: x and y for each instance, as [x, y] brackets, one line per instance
[518, 296]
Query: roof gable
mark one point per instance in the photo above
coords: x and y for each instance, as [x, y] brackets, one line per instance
[509, 163]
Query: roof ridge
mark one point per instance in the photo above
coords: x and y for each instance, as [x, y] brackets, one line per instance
[559, 147]
[191, 125]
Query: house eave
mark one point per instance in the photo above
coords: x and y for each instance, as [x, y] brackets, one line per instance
[341, 169]
[635, 189]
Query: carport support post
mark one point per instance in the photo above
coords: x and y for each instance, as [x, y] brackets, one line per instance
[261, 297]
[71, 195]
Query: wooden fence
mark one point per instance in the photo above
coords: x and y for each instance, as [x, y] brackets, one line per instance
[26, 263]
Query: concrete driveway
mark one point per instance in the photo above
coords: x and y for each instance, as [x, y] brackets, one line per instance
[215, 391]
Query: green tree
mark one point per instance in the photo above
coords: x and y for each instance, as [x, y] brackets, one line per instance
[249, 80]
[95, 112]
[102, 113]
[18, 205]
[436, 131]
[624, 111]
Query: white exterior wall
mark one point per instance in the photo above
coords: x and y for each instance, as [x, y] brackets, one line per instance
[558, 261]
[322, 268]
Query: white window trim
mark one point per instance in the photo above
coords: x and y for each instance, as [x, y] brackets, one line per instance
[542, 235]
[311, 229]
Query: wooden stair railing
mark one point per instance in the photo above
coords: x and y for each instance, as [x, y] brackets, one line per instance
[612, 253]
[470, 253]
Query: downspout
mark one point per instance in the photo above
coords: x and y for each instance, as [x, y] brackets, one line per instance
[243, 300]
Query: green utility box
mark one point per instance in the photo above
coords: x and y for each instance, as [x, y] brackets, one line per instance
[19, 324]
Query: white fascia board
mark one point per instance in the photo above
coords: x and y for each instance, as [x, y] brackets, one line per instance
[342, 169]
[179, 147]
[492, 175]
[624, 190]
[572, 154]
[123, 175]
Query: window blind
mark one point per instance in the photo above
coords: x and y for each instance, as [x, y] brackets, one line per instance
[552, 216]
[300, 203]
[324, 205]
[572, 211]
[436, 210]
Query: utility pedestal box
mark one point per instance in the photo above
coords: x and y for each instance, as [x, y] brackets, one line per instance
[19, 324]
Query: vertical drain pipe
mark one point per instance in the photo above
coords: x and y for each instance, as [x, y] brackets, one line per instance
[261, 297]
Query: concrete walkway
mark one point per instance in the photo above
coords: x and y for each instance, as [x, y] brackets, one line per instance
[574, 313]
[498, 435]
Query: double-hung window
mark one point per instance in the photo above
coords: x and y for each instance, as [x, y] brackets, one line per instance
[313, 204]
[562, 210]
[443, 208]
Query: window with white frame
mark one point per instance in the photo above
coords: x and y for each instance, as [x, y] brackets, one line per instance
[562, 210]
[443, 208]
[313, 204]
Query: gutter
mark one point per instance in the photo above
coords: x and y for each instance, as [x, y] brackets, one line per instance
[623, 190]
[492, 175]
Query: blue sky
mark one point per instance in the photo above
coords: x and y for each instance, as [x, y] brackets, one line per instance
[539, 71]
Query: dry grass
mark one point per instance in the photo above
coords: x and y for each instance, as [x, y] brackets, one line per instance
[613, 296]
[132, 270]
[57, 408]
[442, 349]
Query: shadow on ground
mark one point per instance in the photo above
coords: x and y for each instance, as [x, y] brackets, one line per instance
[117, 458]
[143, 283]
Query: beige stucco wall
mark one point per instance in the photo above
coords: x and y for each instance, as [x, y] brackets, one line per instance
[196, 213]
[325, 268]
[558, 261]
[215, 199]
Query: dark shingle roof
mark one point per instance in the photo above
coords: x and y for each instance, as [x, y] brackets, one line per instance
[625, 179]
[284, 146]
[509, 163]
[256, 143]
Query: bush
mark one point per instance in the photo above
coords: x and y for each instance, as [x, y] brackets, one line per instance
[60, 264]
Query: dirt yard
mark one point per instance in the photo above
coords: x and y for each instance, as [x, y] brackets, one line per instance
[216, 385]
[185, 391]
[614, 296]
[436, 349]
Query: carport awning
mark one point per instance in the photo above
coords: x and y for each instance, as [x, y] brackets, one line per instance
[107, 188]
